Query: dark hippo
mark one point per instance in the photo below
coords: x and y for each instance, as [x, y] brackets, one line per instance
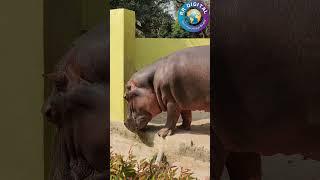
[266, 83]
[79, 106]
[178, 84]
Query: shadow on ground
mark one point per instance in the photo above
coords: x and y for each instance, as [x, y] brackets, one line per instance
[196, 115]
[198, 127]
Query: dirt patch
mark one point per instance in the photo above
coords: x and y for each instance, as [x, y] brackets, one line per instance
[189, 149]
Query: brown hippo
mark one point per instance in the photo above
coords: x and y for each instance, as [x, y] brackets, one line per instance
[266, 83]
[178, 84]
[79, 107]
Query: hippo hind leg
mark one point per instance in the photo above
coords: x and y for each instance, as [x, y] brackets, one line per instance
[186, 116]
[244, 166]
[218, 157]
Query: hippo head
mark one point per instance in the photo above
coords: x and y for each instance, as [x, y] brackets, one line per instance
[142, 106]
[64, 84]
[77, 108]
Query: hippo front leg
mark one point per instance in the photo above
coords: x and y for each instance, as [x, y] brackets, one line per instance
[173, 113]
[80, 169]
[186, 116]
[98, 176]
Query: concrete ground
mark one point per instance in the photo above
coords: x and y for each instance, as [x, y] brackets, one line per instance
[191, 149]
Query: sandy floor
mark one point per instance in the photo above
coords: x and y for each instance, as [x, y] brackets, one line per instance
[277, 167]
[187, 149]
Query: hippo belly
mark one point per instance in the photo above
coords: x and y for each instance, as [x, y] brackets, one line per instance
[267, 75]
[191, 91]
[188, 81]
[266, 82]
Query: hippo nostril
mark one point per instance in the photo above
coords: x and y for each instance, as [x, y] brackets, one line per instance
[129, 126]
[48, 113]
[126, 124]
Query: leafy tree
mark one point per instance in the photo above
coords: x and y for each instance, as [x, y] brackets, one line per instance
[154, 19]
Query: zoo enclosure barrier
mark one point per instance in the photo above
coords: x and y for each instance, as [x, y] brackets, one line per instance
[129, 54]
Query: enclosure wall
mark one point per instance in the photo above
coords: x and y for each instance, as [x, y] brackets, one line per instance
[129, 54]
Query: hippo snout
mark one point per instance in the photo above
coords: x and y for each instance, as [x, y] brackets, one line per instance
[130, 126]
[47, 111]
[53, 110]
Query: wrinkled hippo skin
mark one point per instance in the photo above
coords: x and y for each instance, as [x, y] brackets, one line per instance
[78, 106]
[178, 84]
[266, 83]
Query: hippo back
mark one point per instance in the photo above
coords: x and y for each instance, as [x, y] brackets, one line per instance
[91, 51]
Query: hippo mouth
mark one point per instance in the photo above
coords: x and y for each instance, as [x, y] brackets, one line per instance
[135, 125]
[130, 125]
[142, 123]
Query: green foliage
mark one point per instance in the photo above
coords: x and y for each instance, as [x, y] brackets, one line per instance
[129, 168]
[155, 20]
[178, 32]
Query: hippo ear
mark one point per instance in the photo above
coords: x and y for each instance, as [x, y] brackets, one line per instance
[74, 74]
[54, 76]
[59, 78]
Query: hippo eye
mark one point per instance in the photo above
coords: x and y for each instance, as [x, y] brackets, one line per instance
[128, 87]
[130, 95]
[61, 85]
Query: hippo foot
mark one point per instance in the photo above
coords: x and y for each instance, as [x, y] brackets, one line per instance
[184, 127]
[98, 176]
[80, 169]
[165, 132]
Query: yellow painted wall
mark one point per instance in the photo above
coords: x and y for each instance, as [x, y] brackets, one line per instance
[129, 54]
[150, 49]
[117, 63]
[21, 90]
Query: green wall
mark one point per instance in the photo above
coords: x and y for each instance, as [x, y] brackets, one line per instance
[129, 54]
[21, 90]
